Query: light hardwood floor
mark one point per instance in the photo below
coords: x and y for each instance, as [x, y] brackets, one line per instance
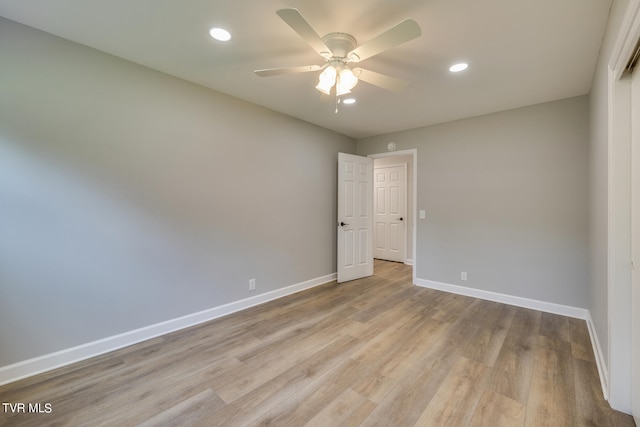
[372, 352]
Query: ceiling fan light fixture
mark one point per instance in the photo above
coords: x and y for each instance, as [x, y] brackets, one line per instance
[341, 77]
[340, 49]
[327, 79]
[347, 80]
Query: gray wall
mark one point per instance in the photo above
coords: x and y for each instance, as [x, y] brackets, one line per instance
[506, 200]
[129, 197]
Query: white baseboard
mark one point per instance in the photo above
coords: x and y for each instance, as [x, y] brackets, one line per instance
[564, 310]
[600, 363]
[47, 362]
[549, 307]
[408, 262]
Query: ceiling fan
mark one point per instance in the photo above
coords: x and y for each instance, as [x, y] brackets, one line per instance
[341, 49]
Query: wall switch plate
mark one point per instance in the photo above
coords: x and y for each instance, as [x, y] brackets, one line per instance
[463, 275]
[423, 214]
[252, 284]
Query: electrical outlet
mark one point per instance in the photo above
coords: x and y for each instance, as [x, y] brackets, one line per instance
[463, 275]
[252, 284]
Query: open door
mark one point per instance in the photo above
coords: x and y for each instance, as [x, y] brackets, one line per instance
[355, 219]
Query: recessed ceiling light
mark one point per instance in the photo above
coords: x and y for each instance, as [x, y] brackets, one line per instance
[456, 68]
[220, 34]
[349, 101]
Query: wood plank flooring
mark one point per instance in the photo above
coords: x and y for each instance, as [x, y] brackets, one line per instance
[372, 352]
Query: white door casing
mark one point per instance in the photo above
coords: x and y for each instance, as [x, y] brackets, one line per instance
[389, 231]
[619, 384]
[635, 245]
[355, 219]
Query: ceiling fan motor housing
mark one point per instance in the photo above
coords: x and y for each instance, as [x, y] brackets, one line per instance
[340, 44]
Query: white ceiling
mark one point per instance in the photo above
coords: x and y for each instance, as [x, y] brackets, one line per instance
[520, 52]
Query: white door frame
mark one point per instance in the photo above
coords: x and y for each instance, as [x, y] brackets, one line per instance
[635, 248]
[617, 378]
[414, 196]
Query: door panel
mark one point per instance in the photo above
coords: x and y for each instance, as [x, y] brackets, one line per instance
[390, 216]
[355, 219]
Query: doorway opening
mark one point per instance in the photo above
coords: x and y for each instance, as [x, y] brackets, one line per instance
[395, 201]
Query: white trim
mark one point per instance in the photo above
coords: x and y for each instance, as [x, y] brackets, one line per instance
[408, 262]
[409, 152]
[619, 213]
[549, 307]
[619, 244]
[627, 39]
[413, 152]
[603, 371]
[47, 362]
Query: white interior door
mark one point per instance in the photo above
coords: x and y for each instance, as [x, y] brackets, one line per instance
[635, 245]
[389, 201]
[355, 219]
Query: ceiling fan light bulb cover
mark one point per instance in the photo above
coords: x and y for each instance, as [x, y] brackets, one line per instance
[324, 89]
[347, 78]
[326, 80]
[346, 81]
[329, 74]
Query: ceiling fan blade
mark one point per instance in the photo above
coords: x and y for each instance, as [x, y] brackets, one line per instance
[381, 80]
[300, 25]
[401, 33]
[268, 72]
